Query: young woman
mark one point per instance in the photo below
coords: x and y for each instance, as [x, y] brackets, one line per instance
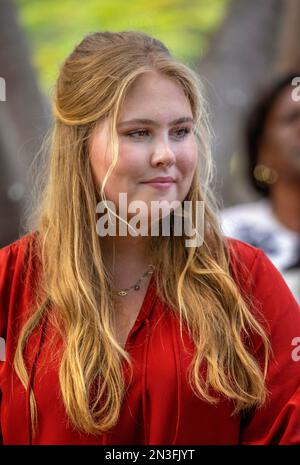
[139, 339]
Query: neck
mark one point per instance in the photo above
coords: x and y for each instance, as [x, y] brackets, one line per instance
[126, 258]
[285, 204]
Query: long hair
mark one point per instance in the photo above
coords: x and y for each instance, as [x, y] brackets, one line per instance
[92, 85]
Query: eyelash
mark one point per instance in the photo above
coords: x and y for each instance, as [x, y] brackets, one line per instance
[186, 132]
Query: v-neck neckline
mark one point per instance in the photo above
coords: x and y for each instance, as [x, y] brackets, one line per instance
[145, 310]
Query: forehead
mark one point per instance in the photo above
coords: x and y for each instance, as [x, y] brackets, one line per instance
[155, 96]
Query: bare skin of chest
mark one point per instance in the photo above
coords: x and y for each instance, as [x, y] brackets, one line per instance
[127, 309]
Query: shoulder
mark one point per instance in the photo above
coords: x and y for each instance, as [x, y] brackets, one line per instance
[18, 268]
[245, 221]
[251, 264]
[15, 256]
[18, 247]
[242, 257]
[246, 211]
[260, 280]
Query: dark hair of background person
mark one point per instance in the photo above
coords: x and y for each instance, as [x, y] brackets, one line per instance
[256, 123]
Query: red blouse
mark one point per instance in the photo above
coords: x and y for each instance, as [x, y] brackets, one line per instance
[159, 406]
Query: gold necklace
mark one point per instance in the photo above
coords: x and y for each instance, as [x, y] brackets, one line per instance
[136, 286]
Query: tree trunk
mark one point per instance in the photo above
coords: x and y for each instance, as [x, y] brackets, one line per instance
[24, 119]
[289, 48]
[240, 57]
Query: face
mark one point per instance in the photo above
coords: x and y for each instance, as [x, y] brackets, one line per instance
[280, 148]
[161, 147]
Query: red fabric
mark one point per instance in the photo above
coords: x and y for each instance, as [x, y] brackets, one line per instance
[159, 407]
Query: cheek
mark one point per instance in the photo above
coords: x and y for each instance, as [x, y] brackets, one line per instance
[131, 167]
[281, 137]
[187, 161]
[99, 161]
[97, 171]
[279, 147]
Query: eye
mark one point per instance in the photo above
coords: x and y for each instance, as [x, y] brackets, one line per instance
[185, 132]
[141, 131]
[181, 132]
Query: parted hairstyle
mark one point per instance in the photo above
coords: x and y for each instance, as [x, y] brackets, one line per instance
[74, 288]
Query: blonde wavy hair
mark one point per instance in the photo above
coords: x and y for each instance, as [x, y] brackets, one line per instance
[75, 288]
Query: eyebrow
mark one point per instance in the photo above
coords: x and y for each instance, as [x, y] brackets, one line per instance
[184, 119]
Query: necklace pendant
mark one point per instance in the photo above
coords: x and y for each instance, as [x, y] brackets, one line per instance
[137, 287]
[122, 293]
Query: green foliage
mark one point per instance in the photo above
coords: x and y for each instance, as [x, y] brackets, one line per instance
[53, 27]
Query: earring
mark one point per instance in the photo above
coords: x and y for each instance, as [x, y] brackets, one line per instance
[264, 174]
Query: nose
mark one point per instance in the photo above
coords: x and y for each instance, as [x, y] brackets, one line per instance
[163, 154]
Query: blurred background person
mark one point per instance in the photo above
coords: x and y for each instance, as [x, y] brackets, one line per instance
[273, 151]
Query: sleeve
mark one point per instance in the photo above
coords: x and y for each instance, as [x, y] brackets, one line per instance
[278, 420]
[7, 267]
[6, 276]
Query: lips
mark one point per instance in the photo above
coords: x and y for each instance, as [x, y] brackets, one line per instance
[160, 183]
[160, 179]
